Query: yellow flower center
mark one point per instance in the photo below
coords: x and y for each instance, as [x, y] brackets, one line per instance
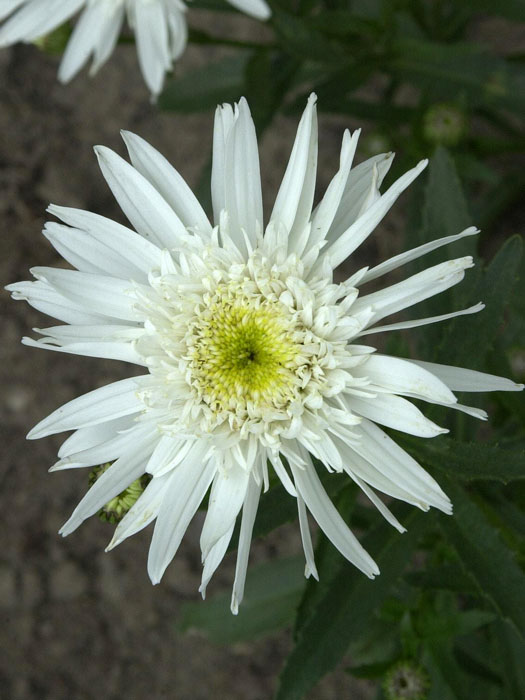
[243, 354]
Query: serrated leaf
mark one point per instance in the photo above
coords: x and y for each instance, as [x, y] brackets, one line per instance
[469, 461]
[445, 210]
[205, 87]
[467, 343]
[485, 557]
[347, 606]
[444, 213]
[271, 596]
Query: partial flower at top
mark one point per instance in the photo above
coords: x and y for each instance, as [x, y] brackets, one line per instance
[159, 26]
[254, 360]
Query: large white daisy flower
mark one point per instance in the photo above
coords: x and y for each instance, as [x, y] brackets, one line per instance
[253, 357]
[159, 25]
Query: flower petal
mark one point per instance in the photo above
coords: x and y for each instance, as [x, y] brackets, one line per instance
[146, 209]
[249, 511]
[309, 486]
[167, 181]
[293, 204]
[98, 406]
[187, 487]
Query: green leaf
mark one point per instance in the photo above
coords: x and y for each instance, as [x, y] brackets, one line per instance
[347, 607]
[511, 9]
[267, 78]
[485, 557]
[271, 596]
[445, 210]
[444, 71]
[512, 653]
[442, 578]
[467, 343]
[469, 461]
[304, 40]
[444, 213]
[203, 88]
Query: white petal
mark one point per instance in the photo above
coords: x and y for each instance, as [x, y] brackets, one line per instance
[459, 379]
[43, 297]
[387, 457]
[188, 486]
[397, 376]
[423, 321]
[109, 450]
[122, 253]
[226, 499]
[310, 568]
[167, 181]
[113, 481]
[411, 291]
[221, 128]
[381, 507]
[147, 210]
[242, 187]
[166, 455]
[93, 23]
[98, 406]
[151, 34]
[124, 352]
[135, 250]
[214, 558]
[95, 293]
[143, 512]
[309, 486]
[256, 8]
[107, 39]
[282, 474]
[9, 6]
[36, 19]
[366, 223]
[85, 438]
[293, 204]
[395, 412]
[414, 254]
[361, 179]
[249, 511]
[325, 212]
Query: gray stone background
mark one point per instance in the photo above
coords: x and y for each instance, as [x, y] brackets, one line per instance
[76, 623]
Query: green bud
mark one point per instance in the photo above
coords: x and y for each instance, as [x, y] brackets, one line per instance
[116, 509]
[55, 42]
[406, 680]
[444, 123]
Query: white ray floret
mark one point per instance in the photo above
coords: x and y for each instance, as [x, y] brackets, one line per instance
[253, 361]
[159, 26]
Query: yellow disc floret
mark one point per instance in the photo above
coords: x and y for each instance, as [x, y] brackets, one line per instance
[243, 353]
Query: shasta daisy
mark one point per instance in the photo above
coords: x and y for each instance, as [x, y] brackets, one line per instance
[254, 358]
[159, 26]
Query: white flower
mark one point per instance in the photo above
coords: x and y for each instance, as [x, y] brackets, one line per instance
[253, 358]
[159, 25]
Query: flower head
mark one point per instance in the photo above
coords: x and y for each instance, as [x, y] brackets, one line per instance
[159, 26]
[254, 358]
[406, 680]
